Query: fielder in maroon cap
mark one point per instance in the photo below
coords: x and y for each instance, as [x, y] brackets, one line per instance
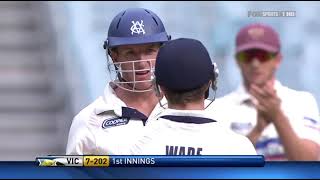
[282, 123]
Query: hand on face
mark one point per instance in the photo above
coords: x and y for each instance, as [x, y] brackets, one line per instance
[269, 104]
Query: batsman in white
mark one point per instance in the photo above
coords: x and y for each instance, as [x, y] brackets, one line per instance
[184, 73]
[111, 122]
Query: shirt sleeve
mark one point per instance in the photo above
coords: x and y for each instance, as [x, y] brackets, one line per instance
[247, 147]
[81, 140]
[308, 126]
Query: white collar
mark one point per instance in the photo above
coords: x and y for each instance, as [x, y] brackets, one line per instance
[110, 102]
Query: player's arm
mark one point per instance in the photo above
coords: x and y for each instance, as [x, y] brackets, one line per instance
[256, 132]
[296, 148]
[309, 128]
[254, 135]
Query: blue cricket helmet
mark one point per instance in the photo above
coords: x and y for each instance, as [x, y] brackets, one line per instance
[135, 26]
[184, 64]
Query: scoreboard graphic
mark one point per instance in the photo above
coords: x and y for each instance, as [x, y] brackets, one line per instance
[151, 161]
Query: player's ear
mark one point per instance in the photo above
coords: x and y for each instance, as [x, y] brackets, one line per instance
[206, 94]
[209, 84]
[278, 59]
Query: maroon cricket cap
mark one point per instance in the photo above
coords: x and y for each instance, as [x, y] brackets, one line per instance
[257, 36]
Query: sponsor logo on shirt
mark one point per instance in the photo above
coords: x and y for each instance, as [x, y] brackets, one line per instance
[117, 121]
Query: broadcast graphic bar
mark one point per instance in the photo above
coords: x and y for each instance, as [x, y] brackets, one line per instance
[152, 161]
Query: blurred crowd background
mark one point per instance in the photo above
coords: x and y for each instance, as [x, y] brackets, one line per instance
[52, 63]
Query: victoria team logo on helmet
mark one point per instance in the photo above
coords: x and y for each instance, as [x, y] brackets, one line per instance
[137, 27]
[133, 26]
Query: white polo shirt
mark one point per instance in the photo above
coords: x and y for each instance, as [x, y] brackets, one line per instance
[300, 108]
[186, 132]
[106, 127]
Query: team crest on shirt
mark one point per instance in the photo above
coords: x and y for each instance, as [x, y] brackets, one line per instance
[117, 121]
